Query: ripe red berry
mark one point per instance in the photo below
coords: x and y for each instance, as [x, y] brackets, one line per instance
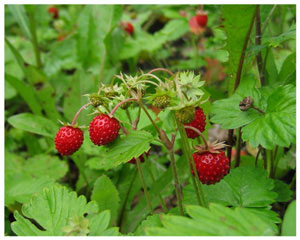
[211, 167]
[53, 11]
[103, 129]
[128, 27]
[142, 159]
[68, 140]
[201, 20]
[198, 122]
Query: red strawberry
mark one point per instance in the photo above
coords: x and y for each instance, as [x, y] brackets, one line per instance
[128, 27]
[103, 129]
[211, 167]
[68, 140]
[202, 20]
[54, 11]
[198, 122]
[142, 159]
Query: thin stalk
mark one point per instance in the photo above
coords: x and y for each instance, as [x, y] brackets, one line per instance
[162, 69]
[199, 133]
[177, 187]
[238, 147]
[150, 118]
[187, 151]
[268, 19]
[163, 205]
[138, 163]
[34, 39]
[257, 155]
[120, 103]
[276, 160]
[269, 161]
[128, 115]
[78, 112]
[126, 198]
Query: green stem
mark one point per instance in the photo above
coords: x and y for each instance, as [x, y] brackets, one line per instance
[138, 163]
[126, 198]
[150, 118]
[177, 187]
[34, 39]
[276, 160]
[191, 163]
[238, 147]
[269, 161]
[128, 115]
[163, 205]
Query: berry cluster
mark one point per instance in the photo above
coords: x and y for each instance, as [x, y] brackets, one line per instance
[103, 130]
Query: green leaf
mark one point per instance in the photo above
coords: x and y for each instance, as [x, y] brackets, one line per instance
[26, 92]
[278, 125]
[237, 19]
[17, 55]
[106, 195]
[287, 72]
[275, 127]
[24, 178]
[45, 165]
[34, 124]
[19, 13]
[215, 221]
[99, 224]
[53, 209]
[283, 190]
[124, 149]
[10, 91]
[243, 187]
[150, 221]
[289, 220]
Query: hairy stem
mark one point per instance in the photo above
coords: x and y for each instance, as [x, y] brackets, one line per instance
[120, 103]
[269, 161]
[78, 112]
[257, 155]
[199, 133]
[162, 69]
[150, 118]
[139, 167]
[128, 115]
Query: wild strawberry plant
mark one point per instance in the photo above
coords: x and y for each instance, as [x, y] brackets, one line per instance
[163, 151]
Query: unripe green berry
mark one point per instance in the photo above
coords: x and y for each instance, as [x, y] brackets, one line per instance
[161, 101]
[186, 115]
[96, 100]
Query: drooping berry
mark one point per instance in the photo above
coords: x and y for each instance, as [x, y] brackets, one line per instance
[161, 101]
[198, 122]
[185, 115]
[128, 27]
[68, 140]
[103, 129]
[142, 159]
[54, 11]
[211, 167]
[198, 23]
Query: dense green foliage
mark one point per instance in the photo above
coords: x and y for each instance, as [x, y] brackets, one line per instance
[53, 63]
